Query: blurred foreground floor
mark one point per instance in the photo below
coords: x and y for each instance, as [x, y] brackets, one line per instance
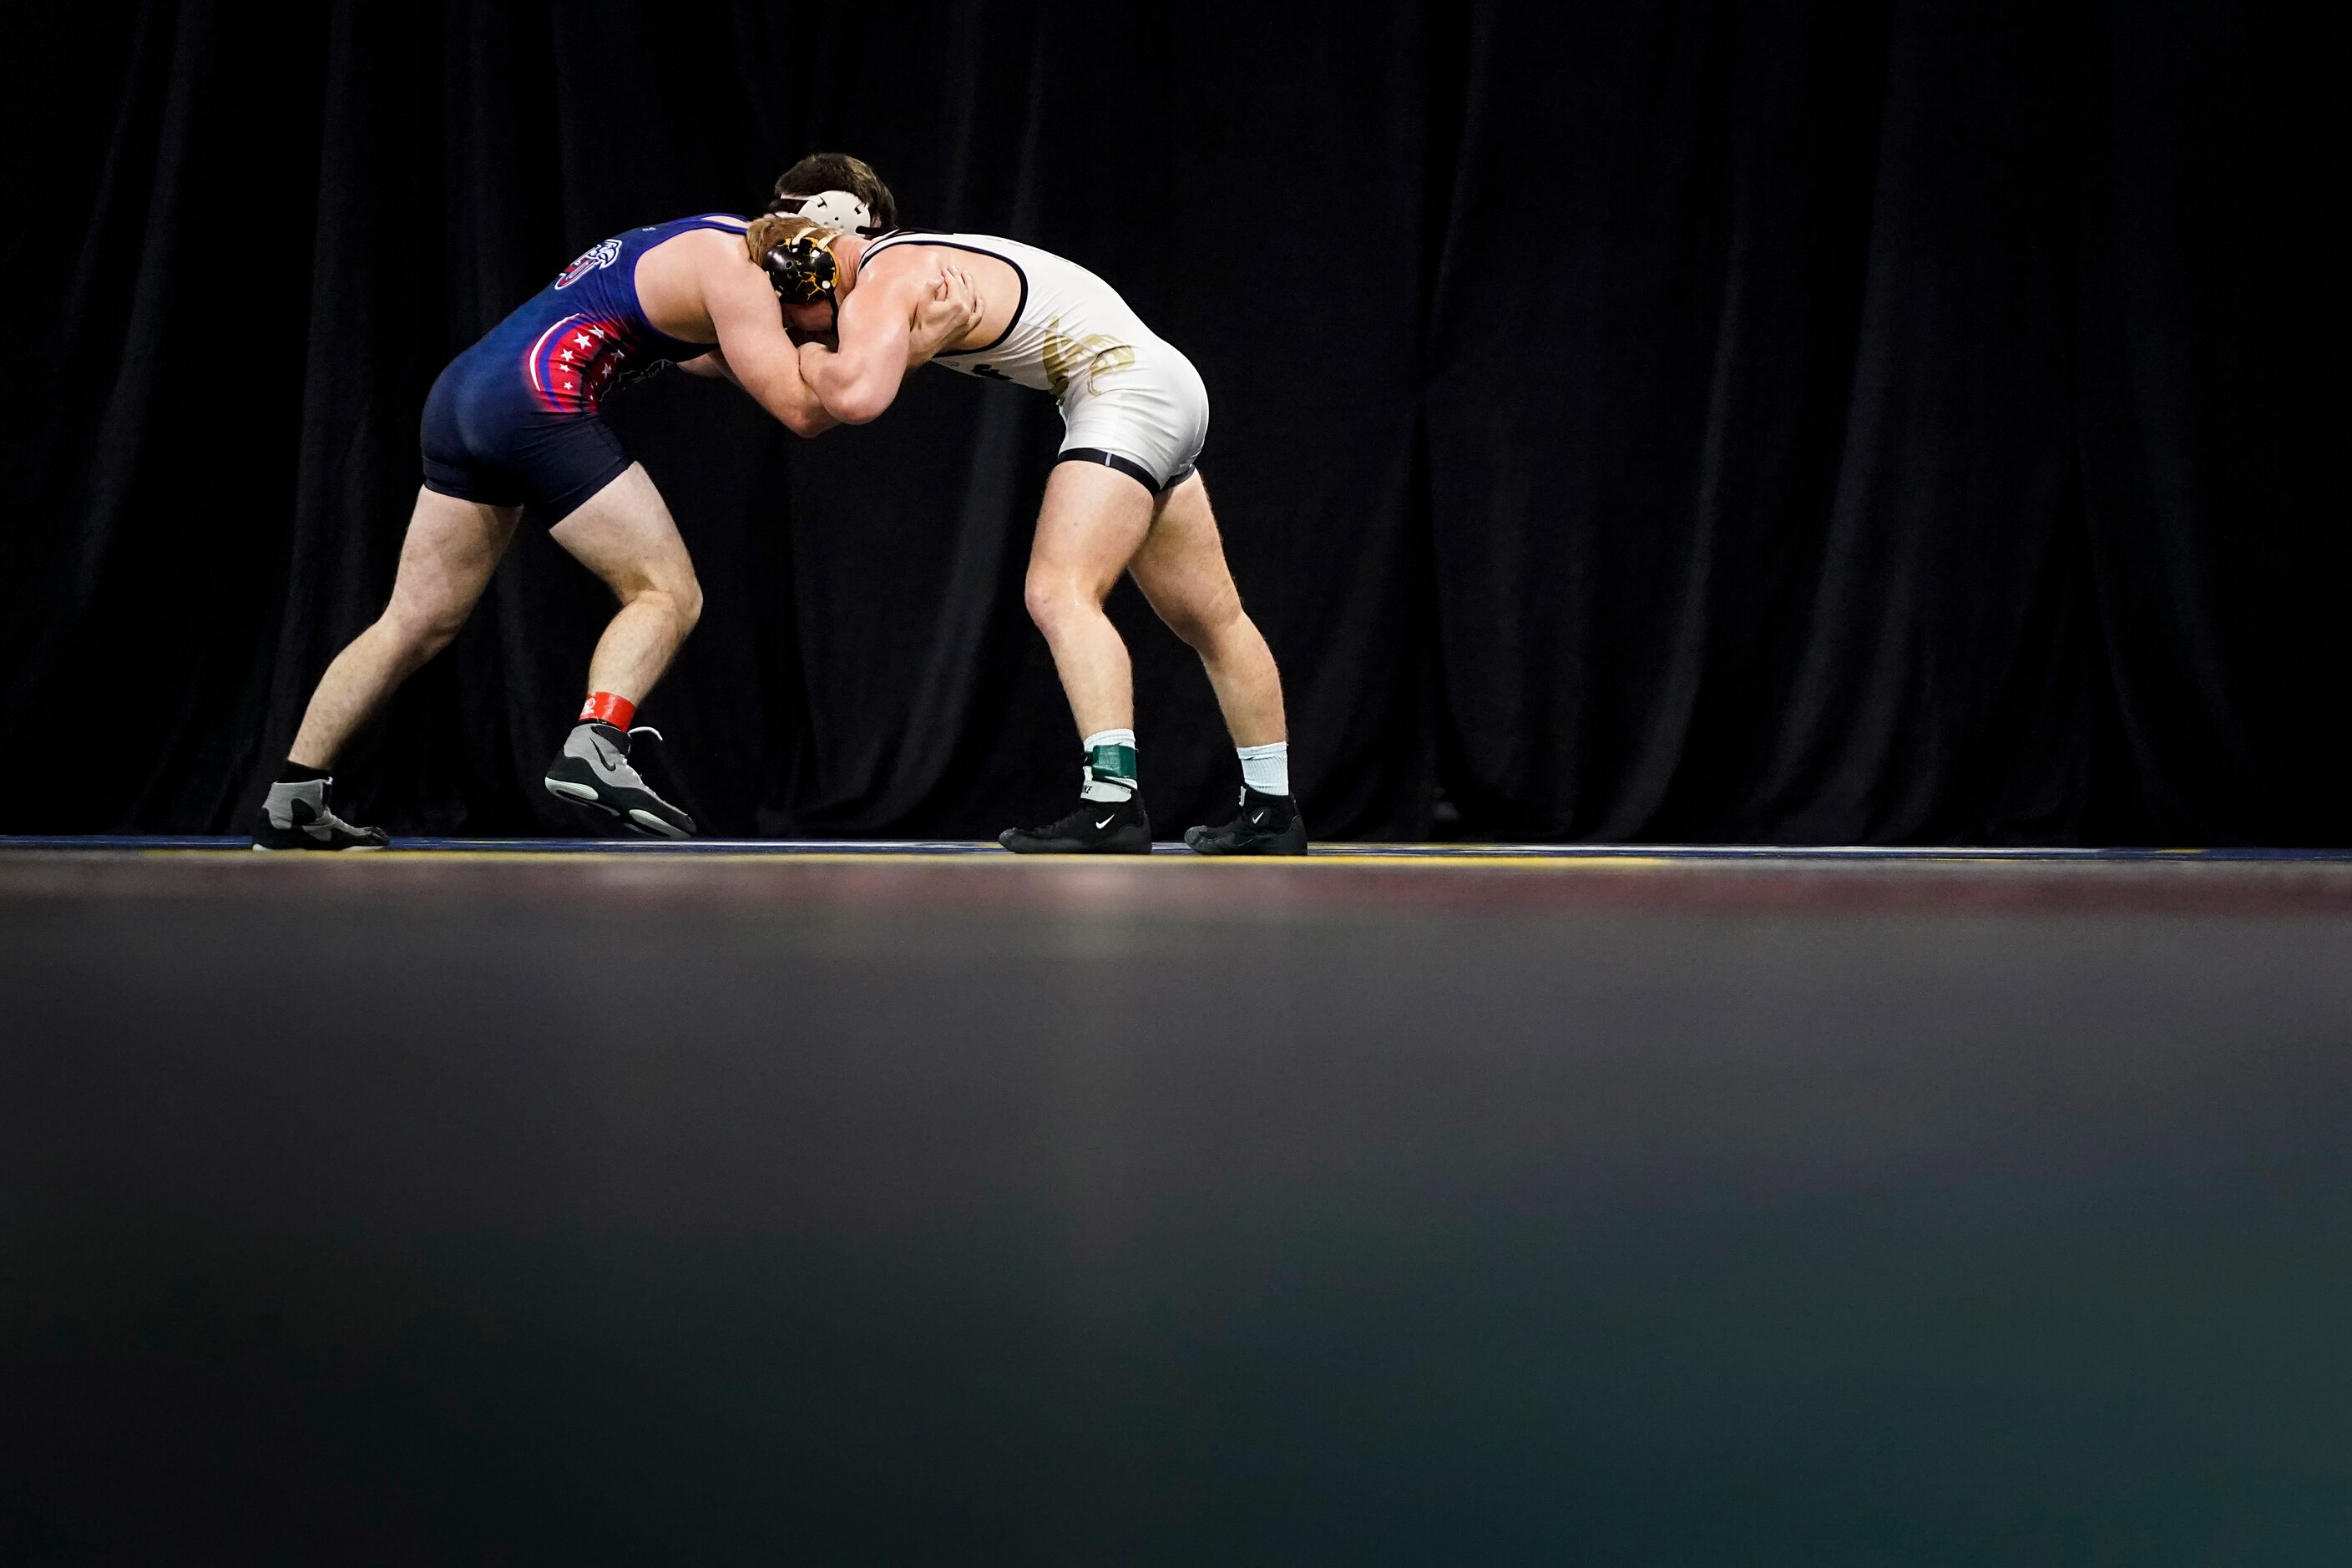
[445, 1207]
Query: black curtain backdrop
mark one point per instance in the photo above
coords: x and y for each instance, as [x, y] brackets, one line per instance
[1808, 422]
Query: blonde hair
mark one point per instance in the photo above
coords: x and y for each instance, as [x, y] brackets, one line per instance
[772, 229]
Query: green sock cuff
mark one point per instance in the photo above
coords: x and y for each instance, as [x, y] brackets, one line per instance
[1113, 763]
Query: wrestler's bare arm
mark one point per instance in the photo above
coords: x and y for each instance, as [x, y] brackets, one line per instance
[944, 305]
[754, 351]
[877, 346]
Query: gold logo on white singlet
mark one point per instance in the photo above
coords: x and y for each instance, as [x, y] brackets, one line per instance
[1094, 356]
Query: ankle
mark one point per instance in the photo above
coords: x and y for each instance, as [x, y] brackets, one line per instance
[608, 707]
[611, 732]
[1110, 768]
[1266, 769]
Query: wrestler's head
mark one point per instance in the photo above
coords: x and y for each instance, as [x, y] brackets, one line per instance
[820, 173]
[811, 266]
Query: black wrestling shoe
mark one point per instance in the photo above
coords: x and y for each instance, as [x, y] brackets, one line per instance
[1096, 827]
[297, 817]
[594, 769]
[1269, 825]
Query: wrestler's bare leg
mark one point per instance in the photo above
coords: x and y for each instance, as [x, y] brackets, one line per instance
[1181, 570]
[1093, 519]
[445, 562]
[625, 534]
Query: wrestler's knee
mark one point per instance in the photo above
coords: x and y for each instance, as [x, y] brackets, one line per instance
[671, 586]
[1050, 597]
[421, 624]
[685, 600]
[1198, 631]
[1206, 622]
[1058, 598]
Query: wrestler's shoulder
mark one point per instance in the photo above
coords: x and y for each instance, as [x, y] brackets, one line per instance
[696, 252]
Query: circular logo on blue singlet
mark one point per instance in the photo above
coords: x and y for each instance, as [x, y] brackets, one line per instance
[604, 255]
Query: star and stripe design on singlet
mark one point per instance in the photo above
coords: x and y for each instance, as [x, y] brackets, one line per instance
[578, 359]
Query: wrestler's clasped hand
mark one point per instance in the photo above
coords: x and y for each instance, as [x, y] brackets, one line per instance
[951, 307]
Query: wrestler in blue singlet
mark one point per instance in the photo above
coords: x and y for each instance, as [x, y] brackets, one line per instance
[513, 420]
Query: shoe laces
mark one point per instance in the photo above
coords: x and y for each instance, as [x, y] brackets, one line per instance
[629, 762]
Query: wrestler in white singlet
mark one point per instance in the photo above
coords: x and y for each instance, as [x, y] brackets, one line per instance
[1128, 397]
[1131, 403]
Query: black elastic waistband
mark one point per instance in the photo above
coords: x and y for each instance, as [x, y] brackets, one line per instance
[1128, 466]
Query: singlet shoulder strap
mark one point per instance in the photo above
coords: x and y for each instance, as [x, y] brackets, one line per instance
[897, 236]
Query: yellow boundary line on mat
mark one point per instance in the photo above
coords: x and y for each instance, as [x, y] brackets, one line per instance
[840, 857]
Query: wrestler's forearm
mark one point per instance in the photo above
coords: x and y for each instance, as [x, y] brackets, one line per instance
[854, 388]
[799, 408]
[820, 367]
[775, 382]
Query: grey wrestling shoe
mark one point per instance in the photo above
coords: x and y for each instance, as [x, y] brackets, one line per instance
[594, 769]
[297, 817]
[1269, 825]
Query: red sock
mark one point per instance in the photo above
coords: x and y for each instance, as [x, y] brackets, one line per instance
[604, 707]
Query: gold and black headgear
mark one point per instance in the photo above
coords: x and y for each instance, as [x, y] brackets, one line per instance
[803, 271]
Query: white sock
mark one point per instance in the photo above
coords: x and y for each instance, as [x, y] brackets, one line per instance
[1109, 778]
[1266, 769]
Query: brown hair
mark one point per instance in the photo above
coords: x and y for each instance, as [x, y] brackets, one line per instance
[840, 172]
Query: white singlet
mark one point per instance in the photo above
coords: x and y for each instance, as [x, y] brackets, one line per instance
[1128, 398]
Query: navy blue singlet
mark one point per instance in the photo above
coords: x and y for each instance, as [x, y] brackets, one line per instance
[513, 420]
